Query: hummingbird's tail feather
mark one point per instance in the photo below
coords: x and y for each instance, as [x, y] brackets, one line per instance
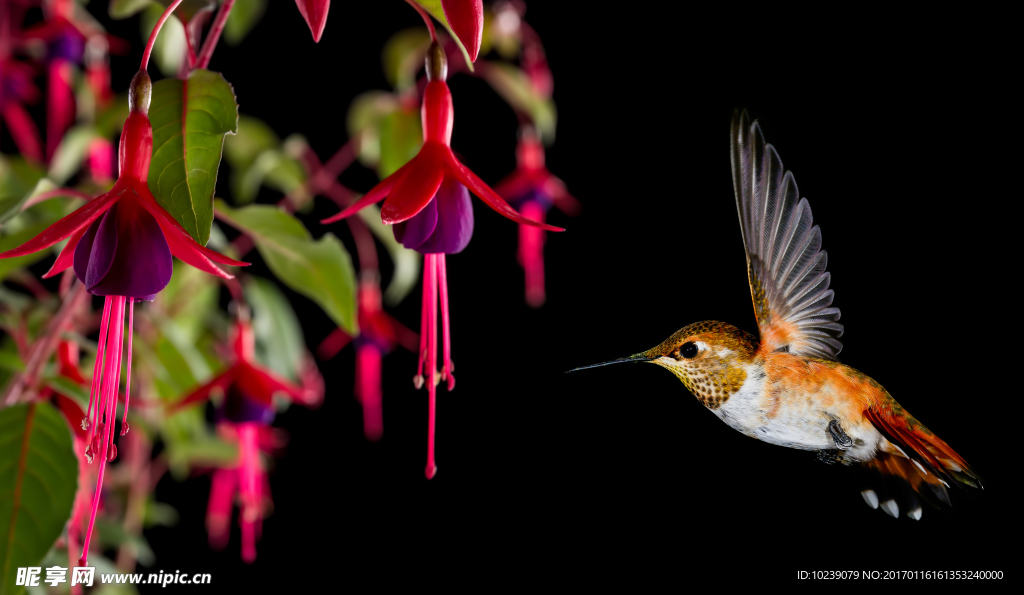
[934, 460]
[895, 485]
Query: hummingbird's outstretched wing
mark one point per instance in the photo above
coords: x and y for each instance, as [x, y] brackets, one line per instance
[785, 263]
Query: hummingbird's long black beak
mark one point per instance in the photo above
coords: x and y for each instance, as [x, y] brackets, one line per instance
[639, 357]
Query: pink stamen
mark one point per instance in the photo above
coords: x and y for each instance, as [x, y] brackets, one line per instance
[249, 464]
[368, 391]
[110, 353]
[218, 513]
[128, 372]
[430, 299]
[418, 380]
[89, 421]
[531, 254]
[442, 278]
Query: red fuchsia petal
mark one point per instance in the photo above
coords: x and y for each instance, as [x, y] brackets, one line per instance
[416, 187]
[315, 13]
[77, 221]
[73, 414]
[376, 194]
[466, 18]
[60, 108]
[173, 231]
[223, 484]
[567, 203]
[335, 342]
[202, 393]
[454, 220]
[484, 192]
[515, 185]
[23, 130]
[261, 384]
[67, 361]
[67, 256]
[413, 232]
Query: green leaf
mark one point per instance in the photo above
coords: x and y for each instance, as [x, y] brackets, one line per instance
[187, 150]
[15, 234]
[244, 16]
[407, 262]
[18, 178]
[279, 342]
[122, 9]
[437, 11]
[403, 56]
[365, 114]
[401, 136]
[252, 138]
[38, 479]
[318, 269]
[190, 8]
[515, 88]
[70, 153]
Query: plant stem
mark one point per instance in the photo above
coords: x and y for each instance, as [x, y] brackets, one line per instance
[43, 348]
[214, 35]
[155, 32]
[426, 19]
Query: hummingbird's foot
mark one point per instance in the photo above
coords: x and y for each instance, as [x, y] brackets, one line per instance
[839, 436]
[828, 456]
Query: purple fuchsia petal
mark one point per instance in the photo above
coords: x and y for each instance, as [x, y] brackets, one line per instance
[95, 251]
[415, 231]
[240, 408]
[141, 264]
[454, 220]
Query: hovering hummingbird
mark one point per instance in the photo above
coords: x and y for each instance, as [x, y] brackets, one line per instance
[786, 386]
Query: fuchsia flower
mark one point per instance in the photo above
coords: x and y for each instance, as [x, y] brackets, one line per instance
[16, 91]
[245, 416]
[120, 247]
[533, 190]
[428, 202]
[378, 335]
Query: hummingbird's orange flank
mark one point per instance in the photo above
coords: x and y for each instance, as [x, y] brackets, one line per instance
[786, 386]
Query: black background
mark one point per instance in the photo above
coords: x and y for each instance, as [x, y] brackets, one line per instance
[891, 126]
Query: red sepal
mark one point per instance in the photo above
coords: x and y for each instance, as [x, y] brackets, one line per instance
[484, 193]
[315, 13]
[73, 223]
[466, 18]
[222, 381]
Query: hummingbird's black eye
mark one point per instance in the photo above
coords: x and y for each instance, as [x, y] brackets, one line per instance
[688, 350]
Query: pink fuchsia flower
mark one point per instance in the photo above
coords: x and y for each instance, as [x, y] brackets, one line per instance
[532, 189]
[244, 416]
[427, 200]
[120, 246]
[315, 14]
[378, 335]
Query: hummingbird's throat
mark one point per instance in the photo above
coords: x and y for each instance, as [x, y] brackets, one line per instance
[711, 381]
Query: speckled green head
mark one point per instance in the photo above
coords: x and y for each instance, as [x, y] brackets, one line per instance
[710, 358]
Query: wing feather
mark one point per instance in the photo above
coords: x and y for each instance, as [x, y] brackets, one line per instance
[785, 263]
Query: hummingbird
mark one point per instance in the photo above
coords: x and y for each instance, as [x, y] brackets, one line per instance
[786, 385]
